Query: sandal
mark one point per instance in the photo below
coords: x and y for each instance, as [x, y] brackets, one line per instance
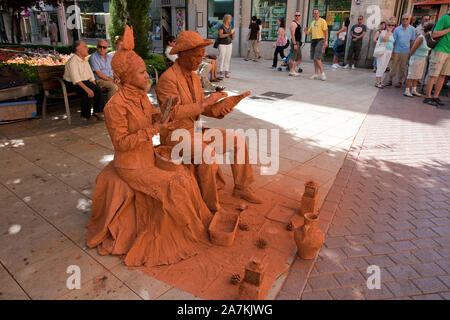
[99, 116]
[388, 84]
[226, 75]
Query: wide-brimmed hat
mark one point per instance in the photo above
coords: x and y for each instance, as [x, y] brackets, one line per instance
[188, 40]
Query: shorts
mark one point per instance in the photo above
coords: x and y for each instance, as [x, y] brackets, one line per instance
[416, 68]
[439, 64]
[317, 49]
[296, 55]
[253, 45]
[338, 48]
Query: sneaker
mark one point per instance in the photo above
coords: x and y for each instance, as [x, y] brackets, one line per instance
[294, 74]
[347, 66]
[379, 85]
[438, 102]
[407, 94]
[353, 67]
[388, 84]
[272, 67]
[323, 77]
[300, 70]
[335, 66]
[430, 101]
[414, 92]
[314, 77]
[220, 88]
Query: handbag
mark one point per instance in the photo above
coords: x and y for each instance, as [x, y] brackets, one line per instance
[216, 43]
[380, 49]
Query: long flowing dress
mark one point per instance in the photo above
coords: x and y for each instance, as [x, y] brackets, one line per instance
[171, 218]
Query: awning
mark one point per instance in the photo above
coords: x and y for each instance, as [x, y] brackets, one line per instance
[430, 2]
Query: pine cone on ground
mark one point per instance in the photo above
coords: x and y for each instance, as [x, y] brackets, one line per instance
[235, 278]
[261, 243]
[243, 226]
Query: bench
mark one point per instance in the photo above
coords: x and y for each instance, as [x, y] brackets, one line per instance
[51, 78]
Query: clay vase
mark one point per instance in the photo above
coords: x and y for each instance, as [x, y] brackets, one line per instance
[309, 238]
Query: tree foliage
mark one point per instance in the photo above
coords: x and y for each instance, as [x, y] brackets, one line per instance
[135, 14]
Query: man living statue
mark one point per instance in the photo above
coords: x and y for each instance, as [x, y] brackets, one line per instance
[181, 86]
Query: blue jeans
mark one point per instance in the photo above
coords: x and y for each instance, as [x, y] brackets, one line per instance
[338, 47]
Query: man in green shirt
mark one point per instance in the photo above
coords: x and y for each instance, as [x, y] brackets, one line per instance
[439, 61]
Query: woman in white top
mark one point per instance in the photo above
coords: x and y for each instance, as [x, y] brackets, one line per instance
[339, 45]
[375, 40]
[170, 43]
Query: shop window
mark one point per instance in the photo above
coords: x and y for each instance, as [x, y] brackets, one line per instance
[269, 11]
[216, 11]
[335, 12]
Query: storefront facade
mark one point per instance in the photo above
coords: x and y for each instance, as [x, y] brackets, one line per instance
[209, 16]
[434, 9]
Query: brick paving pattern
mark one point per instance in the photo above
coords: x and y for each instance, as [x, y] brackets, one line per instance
[389, 206]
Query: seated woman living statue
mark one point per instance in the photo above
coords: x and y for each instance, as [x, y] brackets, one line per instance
[171, 218]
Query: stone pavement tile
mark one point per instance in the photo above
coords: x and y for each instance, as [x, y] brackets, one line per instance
[328, 266]
[426, 255]
[430, 285]
[428, 269]
[177, 294]
[350, 278]
[424, 233]
[335, 242]
[440, 212]
[323, 282]
[403, 258]
[353, 263]
[403, 245]
[358, 240]
[401, 225]
[145, 286]
[102, 287]
[403, 288]
[400, 216]
[425, 243]
[379, 248]
[297, 277]
[381, 237]
[379, 260]
[443, 221]
[9, 289]
[356, 251]
[445, 295]
[335, 253]
[442, 231]
[446, 280]
[376, 294]
[347, 294]
[402, 272]
[444, 252]
[422, 214]
[316, 295]
[443, 241]
[422, 223]
[285, 296]
[427, 297]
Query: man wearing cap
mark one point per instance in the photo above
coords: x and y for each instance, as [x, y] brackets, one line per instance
[183, 86]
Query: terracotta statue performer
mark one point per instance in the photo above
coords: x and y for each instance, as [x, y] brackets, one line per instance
[170, 218]
[180, 83]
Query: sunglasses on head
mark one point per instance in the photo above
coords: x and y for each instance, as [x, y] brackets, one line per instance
[102, 47]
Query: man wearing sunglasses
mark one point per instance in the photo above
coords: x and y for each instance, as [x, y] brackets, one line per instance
[404, 37]
[358, 31]
[100, 62]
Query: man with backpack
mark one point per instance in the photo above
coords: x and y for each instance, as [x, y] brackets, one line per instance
[296, 45]
[439, 66]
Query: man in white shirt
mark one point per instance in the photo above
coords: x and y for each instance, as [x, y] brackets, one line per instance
[78, 77]
[423, 22]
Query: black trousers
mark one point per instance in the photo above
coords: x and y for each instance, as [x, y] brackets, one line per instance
[99, 102]
[354, 50]
[278, 50]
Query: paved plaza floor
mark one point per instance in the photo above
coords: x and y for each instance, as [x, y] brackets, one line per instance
[381, 160]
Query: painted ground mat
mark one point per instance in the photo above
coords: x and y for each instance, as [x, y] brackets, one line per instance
[207, 275]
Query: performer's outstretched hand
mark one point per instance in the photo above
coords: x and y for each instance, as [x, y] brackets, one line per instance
[213, 98]
[225, 106]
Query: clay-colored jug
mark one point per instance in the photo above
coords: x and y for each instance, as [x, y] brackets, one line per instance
[309, 238]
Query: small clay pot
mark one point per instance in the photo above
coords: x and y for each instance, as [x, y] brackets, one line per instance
[309, 238]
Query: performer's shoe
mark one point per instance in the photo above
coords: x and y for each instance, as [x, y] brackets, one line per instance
[247, 194]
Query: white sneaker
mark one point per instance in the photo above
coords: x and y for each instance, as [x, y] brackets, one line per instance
[323, 77]
[335, 66]
[353, 67]
[347, 66]
[314, 77]
[407, 94]
[294, 74]
[414, 92]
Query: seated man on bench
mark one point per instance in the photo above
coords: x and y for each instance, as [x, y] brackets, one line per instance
[78, 77]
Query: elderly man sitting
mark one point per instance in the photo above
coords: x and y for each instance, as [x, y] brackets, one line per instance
[100, 62]
[78, 77]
